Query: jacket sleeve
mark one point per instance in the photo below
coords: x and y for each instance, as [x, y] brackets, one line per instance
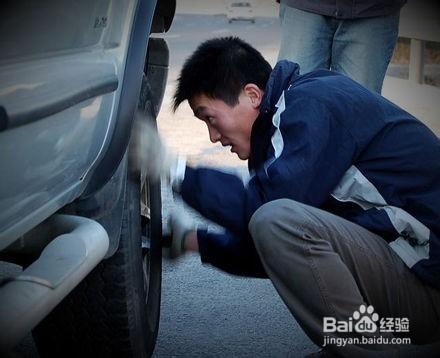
[230, 253]
[310, 153]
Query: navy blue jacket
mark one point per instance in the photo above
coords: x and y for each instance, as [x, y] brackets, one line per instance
[326, 141]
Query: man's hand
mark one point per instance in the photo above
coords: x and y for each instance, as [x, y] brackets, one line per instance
[183, 233]
[150, 157]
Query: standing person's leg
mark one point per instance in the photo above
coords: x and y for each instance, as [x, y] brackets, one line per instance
[306, 39]
[325, 266]
[362, 48]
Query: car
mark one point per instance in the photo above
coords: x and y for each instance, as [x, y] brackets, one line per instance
[239, 10]
[76, 214]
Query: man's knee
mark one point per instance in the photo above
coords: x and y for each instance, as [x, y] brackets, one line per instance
[261, 220]
[268, 221]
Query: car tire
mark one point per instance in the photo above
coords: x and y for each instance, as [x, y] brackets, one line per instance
[115, 310]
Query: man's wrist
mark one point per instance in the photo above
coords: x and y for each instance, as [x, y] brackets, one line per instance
[177, 173]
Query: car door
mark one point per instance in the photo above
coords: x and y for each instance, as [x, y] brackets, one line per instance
[62, 64]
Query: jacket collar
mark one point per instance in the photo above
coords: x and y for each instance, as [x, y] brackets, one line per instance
[284, 73]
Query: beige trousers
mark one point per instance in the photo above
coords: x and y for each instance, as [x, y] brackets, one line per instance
[325, 266]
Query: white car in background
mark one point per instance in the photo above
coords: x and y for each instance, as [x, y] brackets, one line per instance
[240, 10]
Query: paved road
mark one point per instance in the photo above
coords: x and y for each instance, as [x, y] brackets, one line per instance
[188, 31]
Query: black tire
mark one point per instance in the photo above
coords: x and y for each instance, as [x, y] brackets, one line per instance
[115, 310]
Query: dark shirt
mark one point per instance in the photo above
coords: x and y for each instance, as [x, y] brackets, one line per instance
[344, 9]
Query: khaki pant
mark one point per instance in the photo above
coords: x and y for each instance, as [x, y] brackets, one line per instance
[325, 266]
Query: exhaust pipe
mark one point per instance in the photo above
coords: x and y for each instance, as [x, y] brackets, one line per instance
[62, 265]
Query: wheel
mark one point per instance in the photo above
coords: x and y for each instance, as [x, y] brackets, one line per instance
[115, 310]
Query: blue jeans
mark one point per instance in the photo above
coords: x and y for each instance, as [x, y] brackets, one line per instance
[359, 48]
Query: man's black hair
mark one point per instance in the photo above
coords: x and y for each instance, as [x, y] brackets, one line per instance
[219, 69]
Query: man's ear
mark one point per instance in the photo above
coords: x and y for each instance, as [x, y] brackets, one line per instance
[254, 93]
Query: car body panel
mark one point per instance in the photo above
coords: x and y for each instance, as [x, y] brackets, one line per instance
[60, 96]
[37, 183]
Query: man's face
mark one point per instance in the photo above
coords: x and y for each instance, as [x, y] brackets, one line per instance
[231, 126]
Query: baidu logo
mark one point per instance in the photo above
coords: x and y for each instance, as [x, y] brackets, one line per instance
[363, 320]
[368, 327]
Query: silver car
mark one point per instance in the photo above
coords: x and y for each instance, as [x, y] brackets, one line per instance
[84, 225]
